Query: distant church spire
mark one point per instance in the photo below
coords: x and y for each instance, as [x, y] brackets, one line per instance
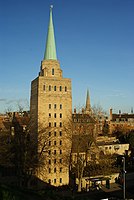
[50, 51]
[88, 107]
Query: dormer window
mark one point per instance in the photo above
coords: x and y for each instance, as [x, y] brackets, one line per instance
[53, 71]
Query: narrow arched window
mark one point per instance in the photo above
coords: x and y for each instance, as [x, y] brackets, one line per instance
[53, 71]
[49, 87]
[60, 88]
[54, 88]
[65, 89]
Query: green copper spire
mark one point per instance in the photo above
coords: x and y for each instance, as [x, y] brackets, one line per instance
[50, 52]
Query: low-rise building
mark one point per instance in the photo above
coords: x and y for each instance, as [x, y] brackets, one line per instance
[111, 145]
[121, 121]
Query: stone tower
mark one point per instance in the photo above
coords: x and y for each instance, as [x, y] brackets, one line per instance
[51, 108]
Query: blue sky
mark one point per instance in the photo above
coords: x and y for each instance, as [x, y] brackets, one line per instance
[95, 47]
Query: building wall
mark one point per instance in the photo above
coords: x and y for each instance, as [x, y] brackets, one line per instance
[114, 149]
[121, 122]
[51, 109]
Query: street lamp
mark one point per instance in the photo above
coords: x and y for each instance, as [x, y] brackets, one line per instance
[124, 178]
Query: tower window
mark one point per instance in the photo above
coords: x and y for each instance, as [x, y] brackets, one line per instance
[49, 115]
[54, 133]
[49, 181]
[65, 89]
[49, 170]
[55, 88]
[49, 106]
[49, 124]
[60, 169]
[54, 124]
[54, 115]
[60, 88]
[60, 160]
[54, 142]
[54, 161]
[44, 87]
[60, 151]
[60, 133]
[54, 151]
[49, 134]
[54, 106]
[49, 161]
[55, 180]
[55, 170]
[53, 71]
[49, 143]
[60, 124]
[49, 87]
[49, 152]
[60, 115]
[60, 142]
[60, 180]
[60, 106]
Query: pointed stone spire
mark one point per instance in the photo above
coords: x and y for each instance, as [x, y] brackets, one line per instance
[50, 52]
[88, 107]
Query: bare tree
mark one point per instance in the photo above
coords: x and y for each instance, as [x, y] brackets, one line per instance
[6, 154]
[101, 119]
[22, 104]
[53, 148]
[8, 109]
[83, 136]
[104, 165]
[98, 111]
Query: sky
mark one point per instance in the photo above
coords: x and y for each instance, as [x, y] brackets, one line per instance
[95, 47]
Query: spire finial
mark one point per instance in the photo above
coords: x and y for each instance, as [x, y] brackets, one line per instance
[51, 7]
